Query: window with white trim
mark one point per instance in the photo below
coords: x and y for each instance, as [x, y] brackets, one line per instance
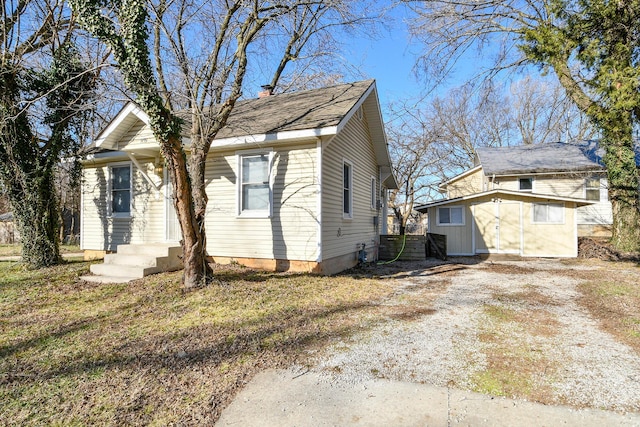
[525, 184]
[120, 190]
[592, 188]
[254, 187]
[347, 189]
[451, 215]
[548, 213]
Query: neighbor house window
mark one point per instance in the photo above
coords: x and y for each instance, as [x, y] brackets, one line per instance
[526, 184]
[347, 190]
[592, 188]
[121, 190]
[548, 213]
[453, 215]
[374, 193]
[255, 191]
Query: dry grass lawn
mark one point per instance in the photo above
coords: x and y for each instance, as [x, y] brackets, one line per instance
[16, 249]
[75, 353]
[612, 295]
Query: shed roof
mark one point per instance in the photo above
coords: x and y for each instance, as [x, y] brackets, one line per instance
[6, 217]
[519, 194]
[541, 158]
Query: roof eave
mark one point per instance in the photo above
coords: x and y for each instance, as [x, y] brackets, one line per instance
[526, 195]
[112, 133]
[274, 137]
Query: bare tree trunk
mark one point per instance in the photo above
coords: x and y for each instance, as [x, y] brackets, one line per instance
[196, 268]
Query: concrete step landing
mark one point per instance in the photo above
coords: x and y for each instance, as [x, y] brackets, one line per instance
[132, 262]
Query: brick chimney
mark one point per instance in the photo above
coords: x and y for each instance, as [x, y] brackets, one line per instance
[267, 90]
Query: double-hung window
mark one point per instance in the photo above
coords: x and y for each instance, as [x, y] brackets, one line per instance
[347, 190]
[548, 213]
[453, 215]
[592, 189]
[255, 190]
[121, 190]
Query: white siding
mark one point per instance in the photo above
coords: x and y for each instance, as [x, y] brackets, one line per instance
[598, 213]
[291, 231]
[103, 232]
[342, 236]
[138, 136]
[559, 186]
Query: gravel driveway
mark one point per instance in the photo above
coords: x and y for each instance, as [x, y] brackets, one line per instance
[443, 327]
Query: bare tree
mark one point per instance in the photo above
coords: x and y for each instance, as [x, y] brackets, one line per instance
[413, 161]
[591, 47]
[542, 112]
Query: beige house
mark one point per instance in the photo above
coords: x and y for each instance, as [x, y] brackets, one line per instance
[529, 200]
[295, 182]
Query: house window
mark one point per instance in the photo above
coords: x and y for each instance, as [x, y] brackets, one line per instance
[374, 193]
[347, 190]
[121, 190]
[592, 188]
[526, 184]
[255, 191]
[453, 215]
[548, 213]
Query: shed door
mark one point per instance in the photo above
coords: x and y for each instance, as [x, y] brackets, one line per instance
[485, 228]
[498, 227]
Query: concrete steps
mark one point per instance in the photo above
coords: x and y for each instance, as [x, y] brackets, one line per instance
[132, 262]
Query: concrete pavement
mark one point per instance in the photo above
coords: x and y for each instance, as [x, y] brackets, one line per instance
[288, 398]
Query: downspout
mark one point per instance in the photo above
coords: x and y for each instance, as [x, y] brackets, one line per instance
[319, 199]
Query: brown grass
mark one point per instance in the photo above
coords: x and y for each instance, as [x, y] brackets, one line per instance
[515, 365]
[16, 249]
[612, 295]
[74, 353]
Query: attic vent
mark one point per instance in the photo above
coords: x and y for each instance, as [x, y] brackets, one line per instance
[359, 114]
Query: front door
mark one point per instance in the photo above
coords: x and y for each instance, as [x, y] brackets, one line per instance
[498, 227]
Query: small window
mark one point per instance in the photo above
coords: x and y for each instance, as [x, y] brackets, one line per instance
[453, 215]
[347, 190]
[548, 213]
[374, 194]
[526, 184]
[121, 190]
[592, 188]
[255, 191]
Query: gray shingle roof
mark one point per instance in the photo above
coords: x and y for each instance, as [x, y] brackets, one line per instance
[307, 109]
[541, 158]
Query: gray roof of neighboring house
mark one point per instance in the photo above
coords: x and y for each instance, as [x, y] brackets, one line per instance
[306, 109]
[541, 158]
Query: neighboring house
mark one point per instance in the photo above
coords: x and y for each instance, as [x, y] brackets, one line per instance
[532, 200]
[295, 181]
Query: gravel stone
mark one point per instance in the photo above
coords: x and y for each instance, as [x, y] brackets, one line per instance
[591, 369]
